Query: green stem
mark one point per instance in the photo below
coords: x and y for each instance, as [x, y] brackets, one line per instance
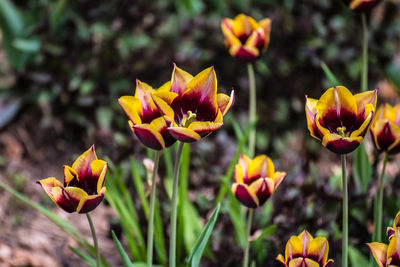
[96, 245]
[248, 229]
[150, 236]
[345, 231]
[380, 200]
[172, 240]
[364, 73]
[252, 110]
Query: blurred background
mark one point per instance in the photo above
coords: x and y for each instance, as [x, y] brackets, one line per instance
[64, 64]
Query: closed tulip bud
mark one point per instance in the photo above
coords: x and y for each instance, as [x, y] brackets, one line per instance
[340, 119]
[385, 129]
[362, 5]
[305, 251]
[255, 180]
[246, 38]
[83, 188]
[193, 105]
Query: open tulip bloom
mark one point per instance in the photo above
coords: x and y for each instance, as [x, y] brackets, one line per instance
[145, 119]
[361, 5]
[83, 188]
[255, 180]
[305, 251]
[387, 255]
[340, 119]
[385, 129]
[193, 105]
[246, 38]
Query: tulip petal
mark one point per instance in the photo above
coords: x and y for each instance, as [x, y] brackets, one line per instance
[68, 198]
[166, 87]
[362, 130]
[281, 260]
[179, 80]
[379, 251]
[203, 128]
[341, 145]
[70, 176]
[328, 263]
[261, 166]
[239, 174]
[243, 26]
[305, 238]
[89, 203]
[230, 38]
[82, 163]
[362, 99]
[263, 188]
[149, 136]
[244, 195]
[225, 102]
[310, 114]
[395, 147]
[184, 134]
[163, 101]
[48, 184]
[294, 248]
[279, 176]
[363, 5]
[132, 108]
[265, 24]
[227, 25]
[393, 253]
[99, 170]
[383, 135]
[256, 39]
[318, 250]
[245, 53]
[337, 107]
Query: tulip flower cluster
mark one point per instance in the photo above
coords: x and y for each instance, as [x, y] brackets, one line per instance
[305, 251]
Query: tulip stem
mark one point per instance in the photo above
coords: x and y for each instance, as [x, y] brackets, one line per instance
[252, 110]
[96, 245]
[380, 200]
[247, 245]
[345, 231]
[150, 232]
[364, 73]
[172, 240]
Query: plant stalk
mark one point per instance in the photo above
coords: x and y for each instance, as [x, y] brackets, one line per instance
[96, 245]
[380, 200]
[172, 240]
[345, 231]
[150, 233]
[247, 246]
[252, 110]
[364, 73]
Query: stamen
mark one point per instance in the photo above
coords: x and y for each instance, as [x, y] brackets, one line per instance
[341, 131]
[191, 117]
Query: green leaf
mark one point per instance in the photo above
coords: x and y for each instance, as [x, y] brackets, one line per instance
[329, 74]
[11, 19]
[125, 258]
[356, 257]
[26, 45]
[89, 260]
[201, 242]
[362, 168]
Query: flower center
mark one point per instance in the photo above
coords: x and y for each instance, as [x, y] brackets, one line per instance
[341, 131]
[188, 119]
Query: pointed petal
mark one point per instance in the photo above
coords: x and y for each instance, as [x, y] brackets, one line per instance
[364, 98]
[225, 102]
[305, 238]
[310, 113]
[204, 128]
[82, 163]
[310, 263]
[244, 195]
[230, 38]
[70, 176]
[294, 248]
[390, 232]
[48, 184]
[184, 134]
[261, 166]
[243, 26]
[179, 80]
[337, 107]
[239, 174]
[132, 108]
[68, 198]
[243, 164]
[227, 25]
[256, 39]
[163, 101]
[318, 250]
[393, 250]
[89, 203]
[149, 136]
[265, 24]
[340, 145]
[263, 188]
[245, 53]
[166, 87]
[383, 135]
[379, 251]
[281, 260]
[363, 129]
[328, 263]
[278, 178]
[99, 170]
[161, 125]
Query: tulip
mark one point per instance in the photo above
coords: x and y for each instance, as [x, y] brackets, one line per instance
[396, 224]
[361, 5]
[385, 129]
[83, 187]
[387, 256]
[255, 180]
[340, 119]
[145, 119]
[193, 105]
[245, 38]
[305, 251]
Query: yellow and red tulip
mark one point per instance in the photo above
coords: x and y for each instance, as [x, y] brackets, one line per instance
[83, 188]
[255, 180]
[340, 119]
[362, 5]
[387, 256]
[305, 251]
[246, 38]
[192, 104]
[145, 119]
[385, 129]
[396, 224]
